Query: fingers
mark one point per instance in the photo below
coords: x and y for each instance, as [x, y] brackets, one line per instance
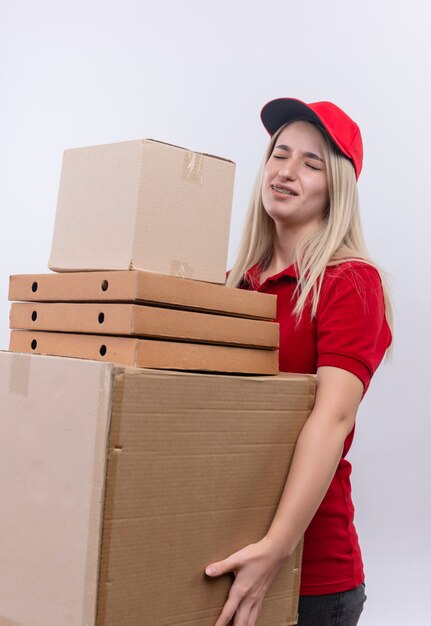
[240, 606]
[223, 567]
[234, 607]
[245, 614]
[252, 573]
[252, 618]
[228, 612]
[242, 615]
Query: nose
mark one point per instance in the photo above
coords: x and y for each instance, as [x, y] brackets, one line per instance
[287, 169]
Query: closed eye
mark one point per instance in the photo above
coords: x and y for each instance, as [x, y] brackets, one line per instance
[278, 156]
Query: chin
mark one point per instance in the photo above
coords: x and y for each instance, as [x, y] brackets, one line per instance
[277, 214]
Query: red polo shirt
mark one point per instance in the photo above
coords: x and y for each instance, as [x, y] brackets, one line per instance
[350, 332]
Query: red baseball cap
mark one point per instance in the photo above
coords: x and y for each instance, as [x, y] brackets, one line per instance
[342, 129]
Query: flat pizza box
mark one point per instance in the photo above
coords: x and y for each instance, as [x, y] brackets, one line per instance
[158, 354]
[136, 286]
[146, 205]
[144, 321]
[123, 484]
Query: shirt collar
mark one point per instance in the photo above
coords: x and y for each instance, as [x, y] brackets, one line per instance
[252, 275]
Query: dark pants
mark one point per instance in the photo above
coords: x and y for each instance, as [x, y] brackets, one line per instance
[332, 609]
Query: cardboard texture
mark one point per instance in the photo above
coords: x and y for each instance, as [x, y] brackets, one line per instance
[148, 352]
[136, 286]
[123, 484]
[141, 320]
[143, 205]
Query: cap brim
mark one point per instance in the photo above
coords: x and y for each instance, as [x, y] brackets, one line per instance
[278, 112]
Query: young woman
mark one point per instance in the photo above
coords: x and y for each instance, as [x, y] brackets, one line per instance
[303, 242]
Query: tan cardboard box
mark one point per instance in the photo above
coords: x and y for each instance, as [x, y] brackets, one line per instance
[144, 321]
[143, 205]
[120, 485]
[152, 353]
[142, 287]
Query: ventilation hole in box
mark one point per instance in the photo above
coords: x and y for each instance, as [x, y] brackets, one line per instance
[105, 285]
[34, 316]
[34, 287]
[101, 318]
[102, 350]
[34, 344]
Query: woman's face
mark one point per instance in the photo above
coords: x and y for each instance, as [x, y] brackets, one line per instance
[295, 186]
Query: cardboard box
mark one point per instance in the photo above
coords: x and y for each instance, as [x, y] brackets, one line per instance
[175, 355]
[135, 286]
[123, 484]
[144, 321]
[143, 205]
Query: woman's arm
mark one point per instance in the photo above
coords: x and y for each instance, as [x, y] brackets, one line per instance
[316, 457]
[317, 454]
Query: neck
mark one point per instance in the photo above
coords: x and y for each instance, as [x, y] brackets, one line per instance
[285, 244]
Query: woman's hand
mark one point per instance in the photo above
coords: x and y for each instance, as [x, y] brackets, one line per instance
[255, 567]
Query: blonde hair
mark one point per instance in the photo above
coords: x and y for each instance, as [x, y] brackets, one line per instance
[339, 238]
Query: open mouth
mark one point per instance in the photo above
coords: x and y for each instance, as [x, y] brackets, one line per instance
[284, 191]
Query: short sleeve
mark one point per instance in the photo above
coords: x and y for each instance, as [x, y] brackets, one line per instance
[352, 331]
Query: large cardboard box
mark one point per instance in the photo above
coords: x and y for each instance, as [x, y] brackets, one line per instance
[119, 485]
[143, 205]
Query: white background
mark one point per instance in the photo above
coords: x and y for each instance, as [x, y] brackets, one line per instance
[196, 74]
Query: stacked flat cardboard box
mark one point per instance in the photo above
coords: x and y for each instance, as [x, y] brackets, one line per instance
[158, 208]
[123, 483]
[136, 332]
